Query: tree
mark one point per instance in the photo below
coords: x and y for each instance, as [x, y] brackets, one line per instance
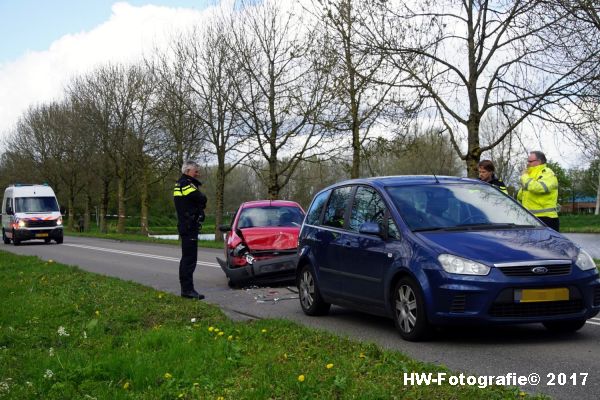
[359, 100]
[473, 57]
[281, 90]
[214, 86]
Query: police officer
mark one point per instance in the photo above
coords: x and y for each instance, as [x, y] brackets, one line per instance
[189, 203]
[539, 190]
[486, 171]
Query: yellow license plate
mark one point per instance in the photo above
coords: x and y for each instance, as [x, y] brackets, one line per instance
[41, 235]
[539, 295]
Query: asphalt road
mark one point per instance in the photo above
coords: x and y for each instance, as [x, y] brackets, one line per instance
[521, 350]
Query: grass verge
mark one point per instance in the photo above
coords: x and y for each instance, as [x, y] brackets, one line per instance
[580, 223]
[66, 333]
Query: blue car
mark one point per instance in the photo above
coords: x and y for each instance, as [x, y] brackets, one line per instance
[427, 250]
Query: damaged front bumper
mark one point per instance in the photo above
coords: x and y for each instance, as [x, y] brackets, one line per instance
[274, 268]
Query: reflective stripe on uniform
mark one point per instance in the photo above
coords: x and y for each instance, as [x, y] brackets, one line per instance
[546, 190]
[542, 210]
[178, 191]
[187, 190]
[527, 183]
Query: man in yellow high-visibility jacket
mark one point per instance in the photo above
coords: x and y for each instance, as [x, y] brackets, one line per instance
[539, 190]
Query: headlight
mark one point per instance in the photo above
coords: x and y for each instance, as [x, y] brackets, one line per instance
[21, 224]
[584, 261]
[458, 265]
[59, 221]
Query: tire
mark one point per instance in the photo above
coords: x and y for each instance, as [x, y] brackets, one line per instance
[564, 326]
[59, 240]
[409, 310]
[308, 292]
[5, 238]
[47, 240]
[16, 241]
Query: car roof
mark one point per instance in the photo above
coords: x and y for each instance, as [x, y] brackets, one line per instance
[269, 203]
[400, 180]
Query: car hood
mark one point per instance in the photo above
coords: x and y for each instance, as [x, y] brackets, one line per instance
[271, 238]
[497, 246]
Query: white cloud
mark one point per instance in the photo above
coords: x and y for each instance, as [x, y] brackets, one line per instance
[130, 32]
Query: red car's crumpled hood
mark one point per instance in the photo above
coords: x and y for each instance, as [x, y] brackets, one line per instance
[271, 238]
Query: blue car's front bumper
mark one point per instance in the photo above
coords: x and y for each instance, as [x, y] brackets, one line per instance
[492, 298]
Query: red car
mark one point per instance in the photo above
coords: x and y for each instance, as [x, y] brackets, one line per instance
[261, 243]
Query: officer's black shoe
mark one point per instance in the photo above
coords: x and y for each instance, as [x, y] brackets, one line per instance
[192, 294]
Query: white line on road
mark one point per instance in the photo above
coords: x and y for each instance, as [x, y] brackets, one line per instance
[592, 323]
[130, 253]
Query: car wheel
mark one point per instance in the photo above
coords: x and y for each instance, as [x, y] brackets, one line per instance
[308, 291]
[409, 310]
[564, 326]
[16, 241]
[59, 240]
[4, 238]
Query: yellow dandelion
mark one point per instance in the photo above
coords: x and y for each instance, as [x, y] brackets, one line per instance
[210, 328]
[50, 261]
[329, 366]
[97, 313]
[285, 355]
[126, 386]
[161, 295]
[301, 378]
[168, 375]
[220, 398]
[362, 355]
[221, 333]
[264, 331]
[522, 394]
[217, 329]
[230, 337]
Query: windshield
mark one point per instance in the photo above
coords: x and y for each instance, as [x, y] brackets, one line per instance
[35, 204]
[438, 206]
[270, 216]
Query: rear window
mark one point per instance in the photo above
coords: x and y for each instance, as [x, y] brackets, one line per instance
[35, 204]
[270, 216]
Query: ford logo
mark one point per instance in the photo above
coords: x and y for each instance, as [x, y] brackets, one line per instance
[539, 270]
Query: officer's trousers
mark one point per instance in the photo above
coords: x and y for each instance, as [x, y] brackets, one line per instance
[187, 265]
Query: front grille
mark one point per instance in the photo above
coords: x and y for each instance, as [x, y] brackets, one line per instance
[458, 303]
[31, 223]
[527, 270]
[541, 309]
[597, 296]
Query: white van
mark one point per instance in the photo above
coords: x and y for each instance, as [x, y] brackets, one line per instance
[30, 212]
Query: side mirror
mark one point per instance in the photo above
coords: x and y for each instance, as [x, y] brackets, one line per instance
[371, 228]
[224, 228]
[63, 210]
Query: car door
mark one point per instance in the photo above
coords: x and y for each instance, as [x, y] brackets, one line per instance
[365, 258]
[327, 243]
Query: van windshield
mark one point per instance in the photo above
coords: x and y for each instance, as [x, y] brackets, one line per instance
[35, 204]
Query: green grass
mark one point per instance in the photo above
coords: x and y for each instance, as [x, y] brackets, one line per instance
[580, 223]
[69, 334]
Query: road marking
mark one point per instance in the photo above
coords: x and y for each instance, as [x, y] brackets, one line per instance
[130, 253]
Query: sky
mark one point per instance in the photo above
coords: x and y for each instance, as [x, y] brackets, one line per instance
[44, 43]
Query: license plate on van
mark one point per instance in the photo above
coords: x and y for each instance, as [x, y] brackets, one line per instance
[41, 235]
[540, 295]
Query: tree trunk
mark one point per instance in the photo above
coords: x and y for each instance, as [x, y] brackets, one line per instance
[219, 200]
[104, 208]
[121, 203]
[597, 211]
[144, 203]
